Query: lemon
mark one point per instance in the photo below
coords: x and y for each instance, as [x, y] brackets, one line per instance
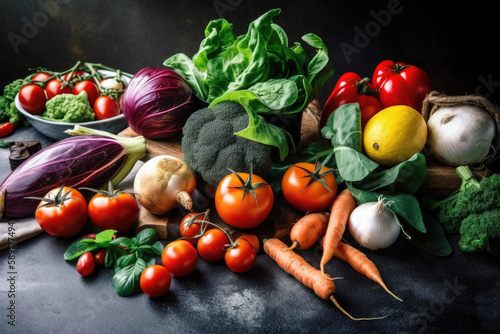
[394, 135]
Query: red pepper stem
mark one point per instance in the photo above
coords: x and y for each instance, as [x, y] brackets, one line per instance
[363, 87]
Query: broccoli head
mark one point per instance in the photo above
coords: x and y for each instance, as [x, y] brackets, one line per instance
[69, 108]
[480, 232]
[8, 110]
[473, 197]
[210, 146]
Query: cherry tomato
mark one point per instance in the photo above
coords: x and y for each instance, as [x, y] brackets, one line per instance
[74, 77]
[309, 187]
[235, 203]
[351, 88]
[32, 98]
[399, 83]
[85, 264]
[100, 257]
[117, 210]
[106, 107]
[41, 76]
[54, 87]
[252, 239]
[6, 129]
[212, 245]
[155, 281]
[180, 258]
[62, 213]
[242, 257]
[90, 88]
[193, 229]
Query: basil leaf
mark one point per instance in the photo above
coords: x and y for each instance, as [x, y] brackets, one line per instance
[78, 247]
[125, 260]
[157, 248]
[113, 253]
[148, 236]
[126, 279]
[434, 241]
[103, 238]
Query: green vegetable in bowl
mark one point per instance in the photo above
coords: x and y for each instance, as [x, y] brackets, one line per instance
[69, 108]
[210, 146]
[474, 212]
[8, 110]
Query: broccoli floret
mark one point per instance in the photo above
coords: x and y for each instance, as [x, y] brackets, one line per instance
[210, 146]
[8, 110]
[473, 197]
[480, 232]
[69, 108]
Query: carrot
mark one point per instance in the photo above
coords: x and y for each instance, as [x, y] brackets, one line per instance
[308, 229]
[293, 264]
[360, 262]
[342, 207]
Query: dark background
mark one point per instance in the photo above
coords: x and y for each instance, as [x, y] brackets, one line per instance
[455, 42]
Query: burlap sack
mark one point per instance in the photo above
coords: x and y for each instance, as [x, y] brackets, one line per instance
[435, 100]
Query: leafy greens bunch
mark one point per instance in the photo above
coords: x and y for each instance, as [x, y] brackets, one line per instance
[258, 70]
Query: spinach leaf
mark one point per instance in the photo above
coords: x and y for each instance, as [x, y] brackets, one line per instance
[343, 129]
[185, 67]
[405, 205]
[126, 279]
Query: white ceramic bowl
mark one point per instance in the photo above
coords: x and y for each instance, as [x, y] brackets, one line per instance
[55, 129]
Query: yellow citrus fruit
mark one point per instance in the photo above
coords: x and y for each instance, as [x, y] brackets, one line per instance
[394, 135]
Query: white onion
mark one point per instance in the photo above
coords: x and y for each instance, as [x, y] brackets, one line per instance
[460, 135]
[373, 225]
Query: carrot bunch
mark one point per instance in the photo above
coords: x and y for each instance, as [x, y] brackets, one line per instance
[330, 227]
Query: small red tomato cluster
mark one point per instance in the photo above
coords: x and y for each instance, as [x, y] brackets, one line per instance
[392, 83]
[103, 93]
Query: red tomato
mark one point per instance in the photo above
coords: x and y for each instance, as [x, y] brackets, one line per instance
[106, 107]
[155, 281]
[180, 258]
[41, 76]
[54, 87]
[6, 129]
[235, 203]
[193, 229]
[85, 264]
[252, 239]
[90, 88]
[75, 75]
[62, 213]
[117, 211]
[212, 245]
[303, 190]
[401, 84]
[350, 88]
[100, 257]
[242, 257]
[32, 98]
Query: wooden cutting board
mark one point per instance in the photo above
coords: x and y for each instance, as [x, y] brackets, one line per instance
[441, 181]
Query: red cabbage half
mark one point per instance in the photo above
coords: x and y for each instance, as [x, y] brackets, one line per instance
[157, 102]
[90, 159]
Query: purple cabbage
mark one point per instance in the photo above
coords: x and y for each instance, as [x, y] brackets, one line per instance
[90, 159]
[157, 102]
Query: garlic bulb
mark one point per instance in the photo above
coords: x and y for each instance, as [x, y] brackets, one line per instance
[373, 225]
[460, 135]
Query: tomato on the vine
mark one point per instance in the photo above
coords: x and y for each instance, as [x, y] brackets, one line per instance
[309, 187]
[106, 107]
[243, 200]
[113, 209]
[241, 258]
[75, 75]
[62, 212]
[190, 228]
[155, 281]
[180, 258]
[85, 264]
[212, 245]
[55, 87]
[100, 256]
[41, 76]
[32, 98]
[90, 88]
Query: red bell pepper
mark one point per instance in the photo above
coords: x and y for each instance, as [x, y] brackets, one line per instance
[6, 129]
[350, 88]
[398, 83]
